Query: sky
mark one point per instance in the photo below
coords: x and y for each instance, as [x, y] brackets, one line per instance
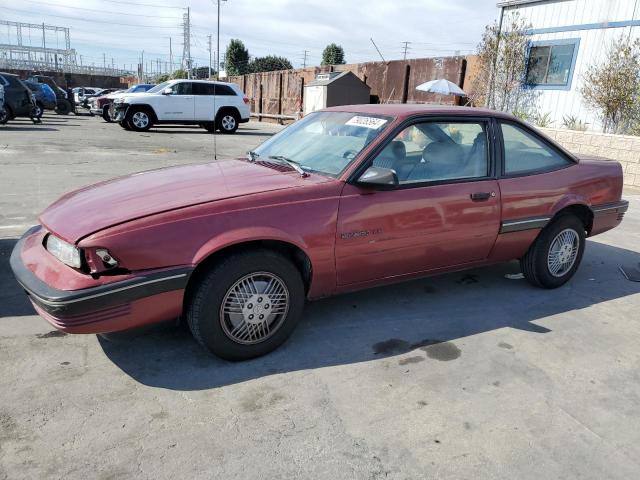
[122, 29]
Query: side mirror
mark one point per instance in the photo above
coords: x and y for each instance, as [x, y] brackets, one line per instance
[379, 177]
[167, 91]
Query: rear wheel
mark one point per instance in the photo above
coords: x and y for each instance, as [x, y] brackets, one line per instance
[139, 120]
[105, 114]
[63, 107]
[247, 305]
[228, 122]
[556, 254]
[5, 115]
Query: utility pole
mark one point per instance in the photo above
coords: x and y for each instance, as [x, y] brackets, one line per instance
[218, 47]
[80, 60]
[170, 57]
[304, 60]
[209, 37]
[142, 67]
[104, 61]
[406, 48]
[186, 45]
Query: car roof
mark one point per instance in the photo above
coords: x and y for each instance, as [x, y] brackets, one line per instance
[9, 74]
[200, 81]
[411, 109]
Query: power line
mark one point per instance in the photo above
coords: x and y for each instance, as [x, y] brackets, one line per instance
[98, 11]
[89, 21]
[143, 4]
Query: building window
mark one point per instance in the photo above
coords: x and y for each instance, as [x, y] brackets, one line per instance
[550, 64]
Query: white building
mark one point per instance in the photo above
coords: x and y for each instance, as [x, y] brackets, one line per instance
[567, 36]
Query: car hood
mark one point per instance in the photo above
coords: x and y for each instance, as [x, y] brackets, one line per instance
[96, 207]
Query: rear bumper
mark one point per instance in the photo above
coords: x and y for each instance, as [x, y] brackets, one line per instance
[607, 216]
[146, 298]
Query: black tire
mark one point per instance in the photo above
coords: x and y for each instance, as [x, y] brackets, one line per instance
[4, 116]
[139, 119]
[105, 114]
[535, 263]
[228, 122]
[38, 110]
[124, 124]
[203, 309]
[63, 107]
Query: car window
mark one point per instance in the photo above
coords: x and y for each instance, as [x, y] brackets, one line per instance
[224, 90]
[203, 89]
[430, 151]
[183, 88]
[524, 153]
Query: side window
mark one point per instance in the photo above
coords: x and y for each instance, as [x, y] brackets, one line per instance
[224, 90]
[430, 151]
[184, 88]
[523, 153]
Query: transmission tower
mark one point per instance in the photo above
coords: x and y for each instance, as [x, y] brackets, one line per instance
[186, 43]
[406, 49]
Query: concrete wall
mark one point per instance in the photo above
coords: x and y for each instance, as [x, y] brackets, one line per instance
[281, 92]
[71, 80]
[622, 148]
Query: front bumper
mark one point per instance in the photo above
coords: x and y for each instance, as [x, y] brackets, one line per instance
[118, 111]
[95, 110]
[142, 299]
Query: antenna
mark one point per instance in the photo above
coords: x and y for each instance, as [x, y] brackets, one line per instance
[215, 116]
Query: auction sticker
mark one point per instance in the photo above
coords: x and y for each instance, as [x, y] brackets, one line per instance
[367, 122]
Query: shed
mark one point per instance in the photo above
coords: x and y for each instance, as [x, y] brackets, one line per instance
[333, 89]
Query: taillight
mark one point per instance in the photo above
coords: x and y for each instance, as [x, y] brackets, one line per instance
[246, 100]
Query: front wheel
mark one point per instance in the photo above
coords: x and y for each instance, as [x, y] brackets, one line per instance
[247, 305]
[38, 110]
[105, 115]
[556, 254]
[63, 107]
[140, 120]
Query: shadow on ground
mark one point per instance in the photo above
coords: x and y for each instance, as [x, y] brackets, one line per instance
[13, 301]
[428, 315]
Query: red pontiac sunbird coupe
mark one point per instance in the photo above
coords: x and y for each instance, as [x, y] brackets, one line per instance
[346, 198]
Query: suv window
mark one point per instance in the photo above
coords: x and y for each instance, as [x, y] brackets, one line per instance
[183, 88]
[212, 89]
[430, 151]
[524, 153]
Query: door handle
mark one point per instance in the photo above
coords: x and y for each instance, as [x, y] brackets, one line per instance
[482, 196]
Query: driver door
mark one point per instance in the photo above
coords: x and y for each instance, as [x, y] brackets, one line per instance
[444, 212]
[180, 104]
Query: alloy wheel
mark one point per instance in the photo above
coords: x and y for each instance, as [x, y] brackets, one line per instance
[254, 308]
[228, 122]
[563, 252]
[140, 120]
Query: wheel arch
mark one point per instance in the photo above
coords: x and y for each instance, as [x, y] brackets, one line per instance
[227, 109]
[207, 259]
[580, 210]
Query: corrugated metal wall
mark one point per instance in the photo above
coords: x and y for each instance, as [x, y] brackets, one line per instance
[593, 45]
[281, 92]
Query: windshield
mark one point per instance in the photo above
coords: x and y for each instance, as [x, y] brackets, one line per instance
[324, 142]
[159, 87]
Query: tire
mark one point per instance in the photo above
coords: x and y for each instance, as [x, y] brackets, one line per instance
[139, 120]
[38, 110]
[239, 335]
[566, 232]
[105, 115]
[4, 115]
[124, 124]
[228, 122]
[63, 107]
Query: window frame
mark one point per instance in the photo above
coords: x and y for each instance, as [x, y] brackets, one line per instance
[500, 150]
[552, 43]
[490, 127]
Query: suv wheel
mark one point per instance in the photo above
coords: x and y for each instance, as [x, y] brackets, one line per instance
[105, 114]
[247, 305]
[5, 115]
[556, 254]
[38, 110]
[139, 120]
[228, 122]
[63, 107]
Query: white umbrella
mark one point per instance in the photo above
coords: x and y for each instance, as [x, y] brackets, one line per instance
[442, 86]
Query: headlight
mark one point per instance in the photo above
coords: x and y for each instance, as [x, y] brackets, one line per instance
[63, 251]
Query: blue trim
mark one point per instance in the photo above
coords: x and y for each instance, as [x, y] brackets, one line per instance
[585, 26]
[547, 43]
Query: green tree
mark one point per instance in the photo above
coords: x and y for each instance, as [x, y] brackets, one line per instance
[269, 64]
[179, 74]
[612, 88]
[236, 58]
[500, 79]
[333, 55]
[163, 78]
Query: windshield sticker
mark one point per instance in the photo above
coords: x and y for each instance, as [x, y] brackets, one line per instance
[367, 122]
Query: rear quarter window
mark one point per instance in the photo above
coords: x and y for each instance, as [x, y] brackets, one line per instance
[524, 153]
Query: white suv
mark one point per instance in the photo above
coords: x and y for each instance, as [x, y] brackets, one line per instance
[213, 105]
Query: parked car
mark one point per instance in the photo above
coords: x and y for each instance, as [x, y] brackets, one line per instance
[4, 117]
[344, 199]
[45, 97]
[214, 105]
[79, 93]
[100, 105]
[63, 103]
[18, 99]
